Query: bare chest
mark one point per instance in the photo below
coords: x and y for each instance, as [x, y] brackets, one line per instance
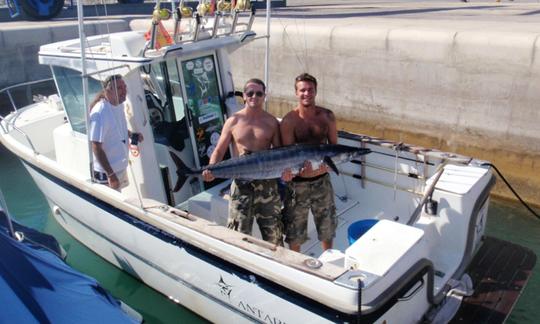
[312, 130]
[252, 136]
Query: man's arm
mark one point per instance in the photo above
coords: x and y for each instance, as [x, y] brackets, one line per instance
[286, 128]
[287, 174]
[221, 148]
[332, 138]
[276, 137]
[286, 131]
[97, 148]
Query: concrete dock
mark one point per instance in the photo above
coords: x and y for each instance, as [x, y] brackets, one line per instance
[460, 77]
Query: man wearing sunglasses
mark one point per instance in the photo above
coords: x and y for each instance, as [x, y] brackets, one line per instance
[311, 189]
[250, 130]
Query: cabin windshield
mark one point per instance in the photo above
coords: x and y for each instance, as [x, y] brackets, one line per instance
[69, 84]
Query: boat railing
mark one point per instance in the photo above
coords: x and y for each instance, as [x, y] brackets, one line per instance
[200, 27]
[8, 91]
[28, 84]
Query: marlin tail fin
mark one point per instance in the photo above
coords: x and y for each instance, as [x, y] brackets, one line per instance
[182, 171]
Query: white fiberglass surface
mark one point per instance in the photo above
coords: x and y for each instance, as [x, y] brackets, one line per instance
[34, 127]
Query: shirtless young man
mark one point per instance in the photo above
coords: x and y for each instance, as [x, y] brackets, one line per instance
[310, 189]
[250, 130]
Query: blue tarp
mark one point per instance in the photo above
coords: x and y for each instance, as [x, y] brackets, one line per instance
[36, 286]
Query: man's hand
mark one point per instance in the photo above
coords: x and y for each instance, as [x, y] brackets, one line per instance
[207, 175]
[287, 175]
[113, 181]
[139, 138]
[308, 172]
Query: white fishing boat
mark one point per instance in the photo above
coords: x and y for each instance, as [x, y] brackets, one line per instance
[430, 206]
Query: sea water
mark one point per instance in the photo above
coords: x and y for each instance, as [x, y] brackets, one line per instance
[506, 220]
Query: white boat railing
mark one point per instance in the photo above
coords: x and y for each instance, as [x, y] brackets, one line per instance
[14, 109]
[8, 90]
[199, 30]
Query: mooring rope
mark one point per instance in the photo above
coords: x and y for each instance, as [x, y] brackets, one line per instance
[512, 189]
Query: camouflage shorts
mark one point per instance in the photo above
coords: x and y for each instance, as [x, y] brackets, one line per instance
[317, 195]
[257, 199]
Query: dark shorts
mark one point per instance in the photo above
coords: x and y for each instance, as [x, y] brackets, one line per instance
[302, 196]
[257, 199]
[101, 178]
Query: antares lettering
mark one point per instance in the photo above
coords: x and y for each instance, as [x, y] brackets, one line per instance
[259, 313]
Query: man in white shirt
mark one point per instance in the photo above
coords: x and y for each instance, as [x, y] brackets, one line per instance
[109, 134]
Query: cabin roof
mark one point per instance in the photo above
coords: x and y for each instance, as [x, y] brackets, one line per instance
[126, 51]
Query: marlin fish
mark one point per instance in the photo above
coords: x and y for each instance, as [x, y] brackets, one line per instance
[270, 164]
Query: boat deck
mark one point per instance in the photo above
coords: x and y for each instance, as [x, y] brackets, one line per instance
[500, 271]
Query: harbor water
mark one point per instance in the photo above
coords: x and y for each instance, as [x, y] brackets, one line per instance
[507, 220]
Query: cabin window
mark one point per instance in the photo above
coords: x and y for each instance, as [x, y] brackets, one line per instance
[176, 90]
[164, 99]
[69, 84]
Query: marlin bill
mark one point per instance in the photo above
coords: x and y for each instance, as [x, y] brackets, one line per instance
[270, 164]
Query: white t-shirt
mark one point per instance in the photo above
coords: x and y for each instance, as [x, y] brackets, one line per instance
[108, 126]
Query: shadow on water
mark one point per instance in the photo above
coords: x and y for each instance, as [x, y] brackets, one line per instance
[28, 205]
[512, 222]
[507, 220]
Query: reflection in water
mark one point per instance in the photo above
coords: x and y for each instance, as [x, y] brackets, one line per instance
[512, 222]
[506, 220]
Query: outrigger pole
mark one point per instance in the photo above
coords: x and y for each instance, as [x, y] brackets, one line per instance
[82, 38]
[267, 52]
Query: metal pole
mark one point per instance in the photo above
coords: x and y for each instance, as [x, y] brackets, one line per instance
[82, 38]
[267, 53]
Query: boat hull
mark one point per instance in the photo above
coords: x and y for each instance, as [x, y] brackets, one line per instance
[211, 287]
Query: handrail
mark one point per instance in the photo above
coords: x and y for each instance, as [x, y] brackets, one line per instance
[20, 131]
[429, 191]
[11, 122]
[8, 89]
[199, 25]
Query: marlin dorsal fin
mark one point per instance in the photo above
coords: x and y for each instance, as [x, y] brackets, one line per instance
[331, 164]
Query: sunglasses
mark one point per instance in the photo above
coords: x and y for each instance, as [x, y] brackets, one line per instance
[250, 94]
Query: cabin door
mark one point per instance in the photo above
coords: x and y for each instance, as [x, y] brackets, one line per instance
[195, 89]
[204, 106]
[191, 116]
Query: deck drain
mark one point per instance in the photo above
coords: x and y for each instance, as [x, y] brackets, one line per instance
[313, 263]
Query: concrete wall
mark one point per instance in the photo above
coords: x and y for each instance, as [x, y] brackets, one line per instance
[466, 87]
[470, 88]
